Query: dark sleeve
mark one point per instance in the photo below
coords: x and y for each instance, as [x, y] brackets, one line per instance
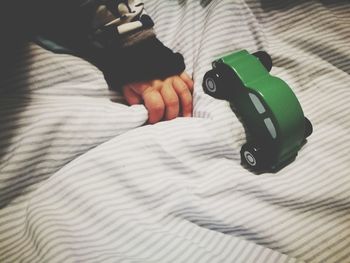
[115, 35]
[146, 60]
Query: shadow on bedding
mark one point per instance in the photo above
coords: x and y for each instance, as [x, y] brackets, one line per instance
[13, 103]
[269, 5]
[317, 41]
[203, 3]
[327, 53]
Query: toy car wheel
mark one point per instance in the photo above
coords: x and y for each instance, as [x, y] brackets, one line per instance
[253, 157]
[308, 127]
[265, 59]
[213, 85]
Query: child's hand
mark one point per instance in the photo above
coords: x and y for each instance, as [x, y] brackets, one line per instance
[164, 99]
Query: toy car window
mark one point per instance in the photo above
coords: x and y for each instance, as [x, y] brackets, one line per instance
[270, 127]
[257, 103]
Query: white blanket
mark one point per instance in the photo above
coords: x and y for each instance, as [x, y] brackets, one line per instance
[82, 179]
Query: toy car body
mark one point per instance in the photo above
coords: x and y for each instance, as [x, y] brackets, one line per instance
[268, 108]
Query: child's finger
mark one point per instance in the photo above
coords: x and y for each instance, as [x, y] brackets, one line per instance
[154, 105]
[187, 79]
[171, 101]
[131, 96]
[184, 95]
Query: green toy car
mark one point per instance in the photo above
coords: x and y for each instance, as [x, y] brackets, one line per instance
[271, 113]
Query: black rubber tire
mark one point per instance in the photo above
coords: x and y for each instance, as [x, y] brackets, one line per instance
[213, 85]
[308, 127]
[265, 59]
[253, 157]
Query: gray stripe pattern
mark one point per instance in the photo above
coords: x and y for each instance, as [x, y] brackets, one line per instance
[83, 180]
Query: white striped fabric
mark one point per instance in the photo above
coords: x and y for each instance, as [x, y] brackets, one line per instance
[83, 180]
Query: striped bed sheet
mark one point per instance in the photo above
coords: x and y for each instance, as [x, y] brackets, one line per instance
[82, 179]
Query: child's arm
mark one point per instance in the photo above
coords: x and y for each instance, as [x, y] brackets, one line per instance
[115, 35]
[152, 73]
